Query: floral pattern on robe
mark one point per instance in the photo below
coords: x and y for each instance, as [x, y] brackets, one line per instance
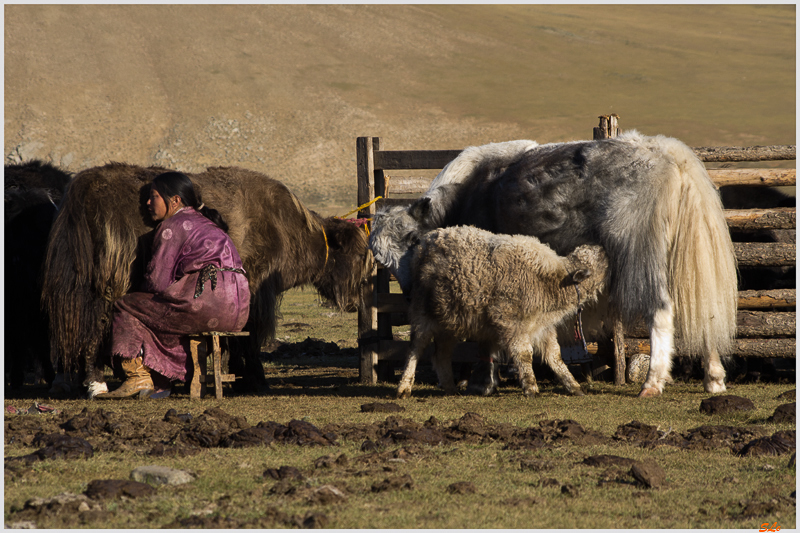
[157, 322]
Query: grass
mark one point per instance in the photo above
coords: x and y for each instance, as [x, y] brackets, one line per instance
[703, 489]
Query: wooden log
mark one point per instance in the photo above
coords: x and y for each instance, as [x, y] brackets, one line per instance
[750, 219]
[719, 154]
[765, 324]
[748, 324]
[753, 177]
[744, 347]
[768, 299]
[464, 352]
[608, 128]
[391, 303]
[389, 202]
[414, 159]
[765, 253]
[407, 185]
[367, 311]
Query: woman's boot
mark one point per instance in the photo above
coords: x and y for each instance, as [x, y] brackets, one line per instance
[137, 381]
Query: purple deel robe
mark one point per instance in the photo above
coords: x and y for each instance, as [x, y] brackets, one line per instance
[158, 321]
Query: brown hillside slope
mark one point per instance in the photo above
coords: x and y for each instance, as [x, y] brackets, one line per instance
[286, 89]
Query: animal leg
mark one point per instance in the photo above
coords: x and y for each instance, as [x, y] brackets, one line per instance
[419, 341]
[442, 362]
[484, 378]
[714, 381]
[662, 345]
[521, 353]
[552, 356]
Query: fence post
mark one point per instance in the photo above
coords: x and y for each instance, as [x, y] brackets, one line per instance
[609, 128]
[368, 310]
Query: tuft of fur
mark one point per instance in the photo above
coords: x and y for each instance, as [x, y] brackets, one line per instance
[505, 292]
[101, 240]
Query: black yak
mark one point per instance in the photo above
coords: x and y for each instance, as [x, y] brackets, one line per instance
[32, 192]
[99, 248]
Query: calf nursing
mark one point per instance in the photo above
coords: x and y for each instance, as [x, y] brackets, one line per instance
[505, 292]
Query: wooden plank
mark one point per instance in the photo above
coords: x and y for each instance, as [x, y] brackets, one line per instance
[437, 159]
[408, 185]
[748, 324]
[391, 350]
[754, 177]
[221, 334]
[391, 302]
[744, 347]
[719, 154]
[765, 253]
[414, 159]
[777, 218]
[390, 202]
[768, 299]
[765, 324]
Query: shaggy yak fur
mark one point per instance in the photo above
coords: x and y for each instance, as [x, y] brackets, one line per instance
[505, 292]
[33, 191]
[648, 201]
[100, 242]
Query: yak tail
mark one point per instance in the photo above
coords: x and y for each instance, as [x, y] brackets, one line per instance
[702, 271]
[82, 278]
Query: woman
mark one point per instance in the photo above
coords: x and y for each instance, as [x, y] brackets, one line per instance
[194, 283]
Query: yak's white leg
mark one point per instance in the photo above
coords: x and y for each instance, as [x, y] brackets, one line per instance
[95, 388]
[552, 356]
[419, 341]
[442, 362]
[521, 353]
[662, 345]
[714, 381]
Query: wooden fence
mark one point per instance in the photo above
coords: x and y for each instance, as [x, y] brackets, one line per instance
[766, 315]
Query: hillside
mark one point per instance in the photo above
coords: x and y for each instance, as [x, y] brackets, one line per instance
[286, 89]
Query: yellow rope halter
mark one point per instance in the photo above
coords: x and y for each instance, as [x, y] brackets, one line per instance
[324, 236]
[359, 208]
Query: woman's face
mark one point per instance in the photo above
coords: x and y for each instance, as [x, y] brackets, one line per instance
[160, 208]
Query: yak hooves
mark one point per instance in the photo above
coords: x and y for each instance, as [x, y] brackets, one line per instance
[475, 389]
[650, 392]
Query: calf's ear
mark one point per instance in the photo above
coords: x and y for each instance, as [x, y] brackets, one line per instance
[419, 209]
[580, 275]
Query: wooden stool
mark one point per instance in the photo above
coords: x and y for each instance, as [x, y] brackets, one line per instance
[200, 377]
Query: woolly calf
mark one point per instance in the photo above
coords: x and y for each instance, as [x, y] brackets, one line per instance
[504, 292]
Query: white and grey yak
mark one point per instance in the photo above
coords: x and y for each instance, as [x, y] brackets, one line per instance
[505, 292]
[648, 201]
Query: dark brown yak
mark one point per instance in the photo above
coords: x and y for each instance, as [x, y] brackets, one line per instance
[99, 247]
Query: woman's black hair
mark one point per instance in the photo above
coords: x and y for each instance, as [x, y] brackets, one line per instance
[171, 184]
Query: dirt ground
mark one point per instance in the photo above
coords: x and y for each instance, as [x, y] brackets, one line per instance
[74, 436]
